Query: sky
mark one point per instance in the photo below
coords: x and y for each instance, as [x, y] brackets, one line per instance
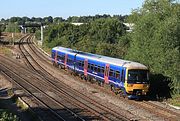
[66, 8]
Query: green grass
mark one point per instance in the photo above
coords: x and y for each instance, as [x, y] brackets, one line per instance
[5, 50]
[175, 100]
[46, 49]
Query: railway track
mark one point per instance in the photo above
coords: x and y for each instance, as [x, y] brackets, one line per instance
[78, 99]
[51, 115]
[75, 103]
[152, 108]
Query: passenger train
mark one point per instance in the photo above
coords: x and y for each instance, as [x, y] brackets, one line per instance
[126, 78]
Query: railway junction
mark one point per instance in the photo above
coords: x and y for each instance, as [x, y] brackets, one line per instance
[54, 94]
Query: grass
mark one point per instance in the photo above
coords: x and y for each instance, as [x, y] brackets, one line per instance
[175, 100]
[21, 105]
[6, 115]
[46, 49]
[10, 92]
[5, 51]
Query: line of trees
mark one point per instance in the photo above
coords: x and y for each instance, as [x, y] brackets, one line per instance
[12, 24]
[50, 19]
[106, 36]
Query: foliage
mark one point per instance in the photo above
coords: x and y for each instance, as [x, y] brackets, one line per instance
[156, 38]
[12, 27]
[56, 20]
[99, 36]
[9, 24]
[154, 41]
[175, 100]
[6, 116]
[38, 35]
[2, 27]
[87, 19]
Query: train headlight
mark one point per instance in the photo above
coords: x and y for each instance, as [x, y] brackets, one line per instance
[129, 85]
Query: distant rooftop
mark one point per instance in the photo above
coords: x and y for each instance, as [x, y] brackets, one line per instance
[77, 24]
[130, 26]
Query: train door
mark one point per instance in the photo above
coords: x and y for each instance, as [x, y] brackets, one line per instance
[106, 74]
[55, 59]
[122, 76]
[85, 67]
[65, 60]
[74, 63]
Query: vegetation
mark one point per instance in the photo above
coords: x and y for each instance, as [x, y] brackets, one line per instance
[175, 100]
[12, 27]
[100, 36]
[7, 116]
[5, 50]
[154, 41]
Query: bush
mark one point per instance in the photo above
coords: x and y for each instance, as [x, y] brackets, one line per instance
[7, 116]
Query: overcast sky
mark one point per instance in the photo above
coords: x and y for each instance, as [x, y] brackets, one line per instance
[66, 8]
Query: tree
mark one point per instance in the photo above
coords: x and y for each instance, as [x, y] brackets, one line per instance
[100, 36]
[156, 38]
[58, 20]
[48, 19]
[12, 27]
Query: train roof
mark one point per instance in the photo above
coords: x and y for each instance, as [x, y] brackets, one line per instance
[105, 59]
[65, 50]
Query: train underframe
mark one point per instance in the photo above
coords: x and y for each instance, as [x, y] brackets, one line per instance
[135, 94]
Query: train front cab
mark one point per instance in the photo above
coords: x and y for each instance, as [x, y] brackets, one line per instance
[136, 82]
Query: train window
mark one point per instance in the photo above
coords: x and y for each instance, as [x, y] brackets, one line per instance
[99, 69]
[89, 65]
[117, 75]
[53, 54]
[111, 73]
[69, 60]
[102, 69]
[58, 57]
[92, 66]
[95, 68]
[63, 57]
[79, 63]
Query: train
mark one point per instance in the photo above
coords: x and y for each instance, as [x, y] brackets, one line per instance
[127, 78]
